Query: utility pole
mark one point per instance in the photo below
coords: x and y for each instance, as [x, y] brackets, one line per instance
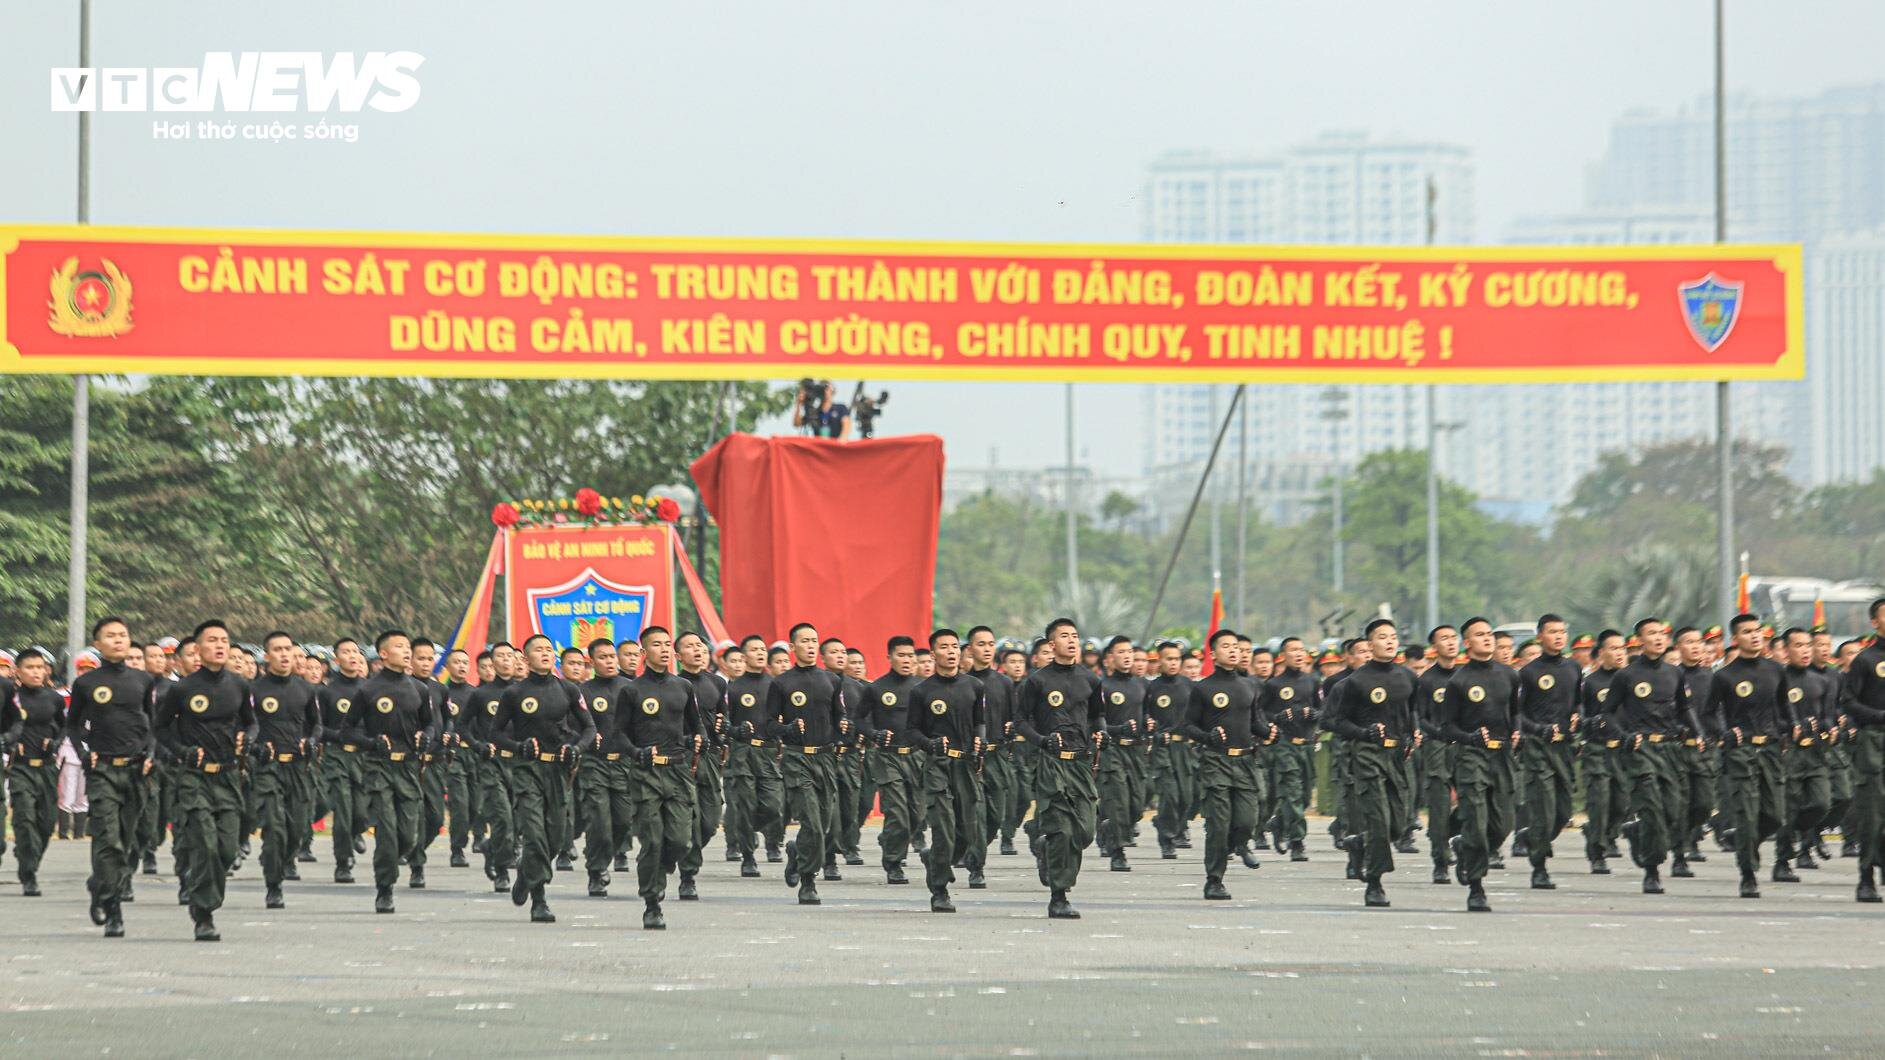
[1217, 543]
[1073, 541]
[1433, 460]
[1334, 411]
[81, 398]
[1724, 437]
[1243, 508]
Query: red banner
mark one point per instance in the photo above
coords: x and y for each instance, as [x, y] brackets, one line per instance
[88, 299]
[577, 583]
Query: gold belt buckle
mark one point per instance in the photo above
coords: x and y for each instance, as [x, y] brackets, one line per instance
[1068, 756]
[904, 750]
[1759, 741]
[1179, 738]
[395, 756]
[1808, 742]
[121, 761]
[1128, 742]
[507, 754]
[284, 758]
[613, 756]
[952, 752]
[1613, 743]
[427, 757]
[1654, 737]
[808, 750]
[659, 760]
[541, 757]
[1299, 740]
[1494, 745]
[208, 767]
[1020, 738]
[1233, 751]
[1557, 737]
[350, 747]
[757, 743]
[1688, 743]
[1390, 742]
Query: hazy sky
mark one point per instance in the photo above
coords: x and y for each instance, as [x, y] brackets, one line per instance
[949, 121]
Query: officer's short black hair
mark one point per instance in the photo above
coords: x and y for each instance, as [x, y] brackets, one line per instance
[898, 641]
[828, 642]
[1645, 623]
[793, 633]
[652, 630]
[1036, 646]
[1677, 635]
[944, 631]
[1283, 645]
[600, 642]
[569, 651]
[1168, 644]
[1547, 619]
[1368, 630]
[1433, 635]
[1474, 621]
[920, 652]
[1116, 641]
[533, 638]
[99, 626]
[1261, 650]
[1742, 619]
[206, 625]
[859, 652]
[483, 655]
[1048, 633]
[729, 651]
[1845, 643]
[266, 641]
[973, 630]
[1608, 635]
[379, 642]
[1498, 635]
[751, 637]
[1217, 635]
[1787, 635]
[1349, 644]
[1002, 655]
[770, 652]
[421, 642]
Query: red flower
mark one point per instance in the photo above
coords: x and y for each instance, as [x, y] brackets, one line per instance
[667, 510]
[504, 515]
[588, 501]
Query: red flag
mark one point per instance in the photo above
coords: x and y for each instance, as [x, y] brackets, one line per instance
[1216, 623]
[697, 592]
[476, 619]
[1819, 612]
[1741, 593]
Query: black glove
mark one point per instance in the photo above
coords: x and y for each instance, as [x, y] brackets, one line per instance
[647, 756]
[746, 730]
[1052, 742]
[937, 745]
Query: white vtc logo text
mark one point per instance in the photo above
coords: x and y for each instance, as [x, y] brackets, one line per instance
[247, 81]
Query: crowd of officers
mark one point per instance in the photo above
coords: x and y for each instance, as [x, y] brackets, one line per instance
[653, 745]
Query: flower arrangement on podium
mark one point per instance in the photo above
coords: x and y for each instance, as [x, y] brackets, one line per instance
[586, 508]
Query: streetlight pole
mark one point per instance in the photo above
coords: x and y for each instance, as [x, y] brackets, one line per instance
[81, 397]
[1724, 440]
[1334, 411]
[1073, 541]
[1433, 459]
[1243, 506]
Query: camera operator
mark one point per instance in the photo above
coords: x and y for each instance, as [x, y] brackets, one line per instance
[814, 401]
[865, 410]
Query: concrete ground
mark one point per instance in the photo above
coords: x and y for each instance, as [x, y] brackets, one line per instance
[1293, 964]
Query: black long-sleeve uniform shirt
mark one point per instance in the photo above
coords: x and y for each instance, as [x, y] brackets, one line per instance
[205, 710]
[608, 700]
[1123, 697]
[1648, 697]
[1547, 696]
[1166, 700]
[395, 706]
[1750, 695]
[340, 699]
[1815, 698]
[1598, 705]
[1058, 707]
[1481, 694]
[1429, 698]
[1695, 680]
[663, 715]
[805, 705]
[287, 715]
[886, 709]
[746, 706]
[113, 713]
[36, 718]
[457, 699]
[949, 708]
[1290, 702]
[1226, 703]
[1862, 692]
[1378, 693]
[710, 693]
[998, 697]
[544, 708]
[481, 711]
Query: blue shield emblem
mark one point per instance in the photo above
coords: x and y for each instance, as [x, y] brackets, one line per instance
[1709, 307]
[589, 606]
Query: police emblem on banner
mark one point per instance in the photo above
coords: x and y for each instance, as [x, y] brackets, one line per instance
[89, 303]
[589, 607]
[1709, 307]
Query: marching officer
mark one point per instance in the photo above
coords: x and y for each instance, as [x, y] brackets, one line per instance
[392, 723]
[1374, 712]
[110, 726]
[947, 711]
[1059, 713]
[1548, 695]
[289, 728]
[542, 721]
[895, 761]
[1477, 717]
[661, 732]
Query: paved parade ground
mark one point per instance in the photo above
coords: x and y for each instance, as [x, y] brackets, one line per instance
[1294, 964]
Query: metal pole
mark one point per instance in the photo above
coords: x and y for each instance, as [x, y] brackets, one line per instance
[1433, 512]
[1184, 528]
[81, 397]
[1243, 507]
[1073, 539]
[1339, 588]
[1724, 437]
[700, 502]
[1433, 469]
[1217, 529]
